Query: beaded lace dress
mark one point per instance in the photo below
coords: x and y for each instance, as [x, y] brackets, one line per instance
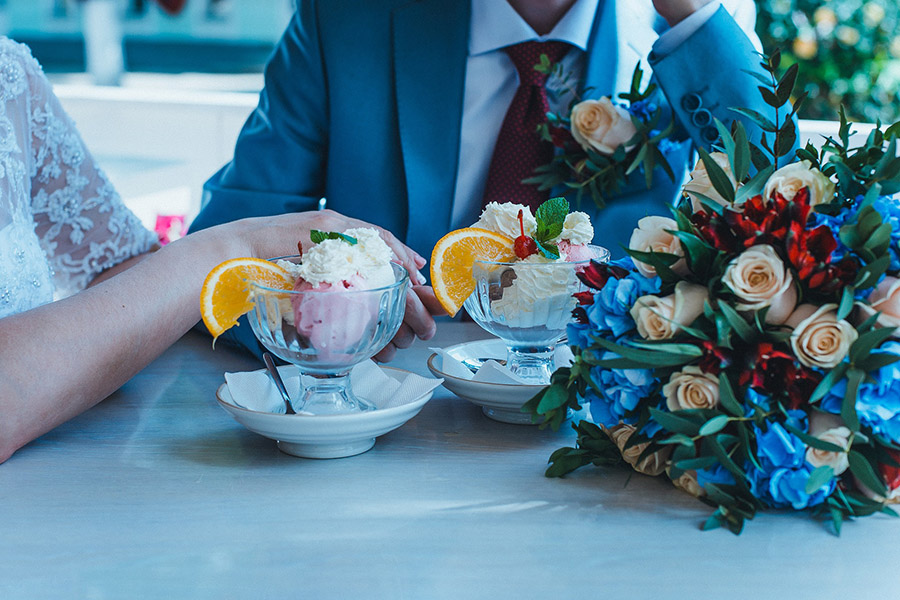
[61, 221]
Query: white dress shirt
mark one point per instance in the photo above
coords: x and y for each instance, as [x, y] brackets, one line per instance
[492, 81]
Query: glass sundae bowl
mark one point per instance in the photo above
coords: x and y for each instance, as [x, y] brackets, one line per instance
[528, 305]
[326, 333]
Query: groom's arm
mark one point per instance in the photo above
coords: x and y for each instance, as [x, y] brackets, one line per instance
[703, 76]
[279, 157]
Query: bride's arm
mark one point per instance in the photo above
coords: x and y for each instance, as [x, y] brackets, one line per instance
[97, 339]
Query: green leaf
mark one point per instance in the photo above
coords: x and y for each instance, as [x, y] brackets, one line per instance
[554, 397]
[703, 462]
[549, 216]
[737, 322]
[674, 423]
[877, 360]
[547, 249]
[828, 382]
[813, 441]
[785, 86]
[764, 122]
[727, 398]
[320, 236]
[848, 406]
[714, 425]
[868, 341]
[678, 438]
[863, 470]
[818, 478]
[717, 176]
[846, 304]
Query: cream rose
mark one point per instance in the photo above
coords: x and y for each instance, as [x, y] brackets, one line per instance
[691, 388]
[687, 482]
[652, 235]
[884, 299]
[828, 428]
[601, 125]
[661, 318]
[792, 178]
[701, 184]
[759, 278]
[819, 339]
[653, 464]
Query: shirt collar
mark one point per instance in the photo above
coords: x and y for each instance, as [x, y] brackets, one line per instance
[494, 24]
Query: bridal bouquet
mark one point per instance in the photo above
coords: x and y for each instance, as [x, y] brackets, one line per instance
[748, 347]
[601, 143]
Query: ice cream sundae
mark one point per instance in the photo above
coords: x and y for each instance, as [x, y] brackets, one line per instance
[352, 261]
[516, 273]
[542, 293]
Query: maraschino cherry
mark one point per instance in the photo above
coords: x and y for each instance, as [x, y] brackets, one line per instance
[524, 246]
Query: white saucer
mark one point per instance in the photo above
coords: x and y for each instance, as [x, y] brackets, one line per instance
[499, 401]
[324, 436]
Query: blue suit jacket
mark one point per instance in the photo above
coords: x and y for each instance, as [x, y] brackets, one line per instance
[363, 103]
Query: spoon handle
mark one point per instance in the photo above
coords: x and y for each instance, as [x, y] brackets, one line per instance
[279, 384]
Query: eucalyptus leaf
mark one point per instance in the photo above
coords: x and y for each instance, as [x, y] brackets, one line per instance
[863, 471]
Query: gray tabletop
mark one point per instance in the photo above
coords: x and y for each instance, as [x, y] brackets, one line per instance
[158, 493]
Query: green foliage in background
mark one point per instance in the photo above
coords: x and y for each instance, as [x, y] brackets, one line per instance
[848, 50]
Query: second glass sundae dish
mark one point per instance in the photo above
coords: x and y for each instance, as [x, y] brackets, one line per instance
[522, 273]
[345, 303]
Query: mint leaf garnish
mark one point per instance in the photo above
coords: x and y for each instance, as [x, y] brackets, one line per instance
[320, 236]
[547, 250]
[550, 217]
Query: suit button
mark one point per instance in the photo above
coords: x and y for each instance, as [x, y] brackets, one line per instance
[709, 134]
[702, 118]
[691, 102]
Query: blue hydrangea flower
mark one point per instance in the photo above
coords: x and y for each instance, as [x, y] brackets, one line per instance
[642, 109]
[716, 474]
[889, 208]
[578, 333]
[610, 310]
[878, 401]
[781, 480]
[620, 392]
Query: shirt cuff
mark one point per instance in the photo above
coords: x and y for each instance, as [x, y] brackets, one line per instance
[674, 37]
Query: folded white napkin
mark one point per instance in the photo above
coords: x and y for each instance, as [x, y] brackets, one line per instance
[491, 371]
[254, 390]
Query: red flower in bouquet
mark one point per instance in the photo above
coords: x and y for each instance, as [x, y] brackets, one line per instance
[770, 369]
[890, 473]
[715, 358]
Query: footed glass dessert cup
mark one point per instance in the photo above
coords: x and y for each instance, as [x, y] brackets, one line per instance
[528, 305]
[326, 333]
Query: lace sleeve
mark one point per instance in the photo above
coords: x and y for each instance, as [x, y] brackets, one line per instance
[83, 225]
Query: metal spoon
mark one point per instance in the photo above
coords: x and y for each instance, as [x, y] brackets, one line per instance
[279, 384]
[473, 364]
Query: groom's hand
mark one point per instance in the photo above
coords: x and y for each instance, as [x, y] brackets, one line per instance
[421, 306]
[675, 11]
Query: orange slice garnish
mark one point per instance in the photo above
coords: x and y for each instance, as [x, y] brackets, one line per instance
[226, 291]
[452, 260]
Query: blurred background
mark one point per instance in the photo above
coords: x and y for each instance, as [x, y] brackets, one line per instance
[160, 88]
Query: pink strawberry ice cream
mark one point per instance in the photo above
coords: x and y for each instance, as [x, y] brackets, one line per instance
[328, 314]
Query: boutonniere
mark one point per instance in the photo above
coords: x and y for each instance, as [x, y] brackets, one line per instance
[602, 142]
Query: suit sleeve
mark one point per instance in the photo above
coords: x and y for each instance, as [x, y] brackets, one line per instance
[279, 158]
[705, 76]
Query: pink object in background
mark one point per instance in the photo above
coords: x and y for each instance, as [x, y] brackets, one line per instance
[170, 228]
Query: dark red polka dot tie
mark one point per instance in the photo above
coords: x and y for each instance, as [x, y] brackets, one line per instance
[519, 149]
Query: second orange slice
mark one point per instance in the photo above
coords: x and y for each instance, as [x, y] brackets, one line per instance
[452, 260]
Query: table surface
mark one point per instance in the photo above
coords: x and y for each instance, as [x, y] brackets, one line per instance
[157, 492]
